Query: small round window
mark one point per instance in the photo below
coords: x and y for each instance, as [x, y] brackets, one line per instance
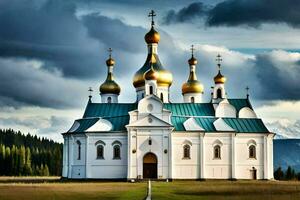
[150, 120]
[150, 107]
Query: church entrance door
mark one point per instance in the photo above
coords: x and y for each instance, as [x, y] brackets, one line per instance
[150, 166]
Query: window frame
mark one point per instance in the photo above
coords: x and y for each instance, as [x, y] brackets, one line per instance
[219, 93]
[217, 157]
[187, 148]
[116, 146]
[78, 150]
[252, 147]
[97, 156]
[192, 99]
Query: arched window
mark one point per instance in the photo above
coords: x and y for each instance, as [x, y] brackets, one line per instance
[117, 152]
[193, 99]
[100, 152]
[186, 152]
[78, 150]
[151, 89]
[162, 97]
[217, 152]
[219, 93]
[108, 99]
[252, 151]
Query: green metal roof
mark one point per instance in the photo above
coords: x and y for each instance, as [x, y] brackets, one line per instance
[108, 109]
[190, 109]
[204, 114]
[84, 124]
[240, 103]
[246, 125]
[118, 123]
[238, 124]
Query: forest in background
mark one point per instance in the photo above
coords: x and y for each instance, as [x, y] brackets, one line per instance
[28, 155]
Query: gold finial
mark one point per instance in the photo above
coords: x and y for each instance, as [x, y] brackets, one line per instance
[247, 92]
[110, 61]
[152, 15]
[90, 93]
[219, 60]
[192, 60]
[219, 78]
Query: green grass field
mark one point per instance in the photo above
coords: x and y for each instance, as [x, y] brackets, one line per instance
[233, 190]
[53, 189]
[72, 191]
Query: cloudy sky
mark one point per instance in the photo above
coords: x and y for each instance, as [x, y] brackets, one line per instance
[52, 51]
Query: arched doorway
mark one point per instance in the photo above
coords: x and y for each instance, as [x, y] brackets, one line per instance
[253, 173]
[150, 166]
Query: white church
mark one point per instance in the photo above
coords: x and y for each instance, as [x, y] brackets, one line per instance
[157, 139]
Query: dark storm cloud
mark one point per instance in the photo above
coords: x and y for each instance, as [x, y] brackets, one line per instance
[279, 80]
[23, 83]
[192, 11]
[49, 32]
[255, 13]
[114, 33]
[251, 13]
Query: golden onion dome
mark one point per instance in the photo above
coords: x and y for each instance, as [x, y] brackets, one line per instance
[193, 61]
[151, 75]
[164, 78]
[219, 78]
[109, 86]
[110, 62]
[192, 87]
[152, 36]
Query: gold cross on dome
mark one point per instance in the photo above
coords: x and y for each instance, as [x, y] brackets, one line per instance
[192, 49]
[152, 15]
[110, 50]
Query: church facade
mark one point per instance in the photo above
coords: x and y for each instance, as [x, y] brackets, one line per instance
[155, 138]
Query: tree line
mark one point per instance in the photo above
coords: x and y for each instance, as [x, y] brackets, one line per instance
[28, 155]
[288, 174]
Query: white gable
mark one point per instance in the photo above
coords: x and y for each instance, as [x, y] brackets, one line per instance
[220, 125]
[191, 125]
[149, 120]
[150, 104]
[101, 125]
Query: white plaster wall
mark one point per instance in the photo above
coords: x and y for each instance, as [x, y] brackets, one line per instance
[197, 97]
[114, 98]
[223, 92]
[140, 92]
[77, 169]
[107, 168]
[139, 142]
[186, 168]
[243, 163]
[217, 168]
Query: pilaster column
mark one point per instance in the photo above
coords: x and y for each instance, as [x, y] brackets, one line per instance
[87, 161]
[265, 157]
[233, 156]
[202, 153]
